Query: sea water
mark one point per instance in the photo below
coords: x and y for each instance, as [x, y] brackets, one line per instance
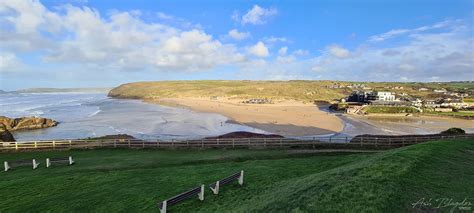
[82, 115]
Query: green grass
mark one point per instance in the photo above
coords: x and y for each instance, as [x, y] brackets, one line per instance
[275, 180]
[390, 109]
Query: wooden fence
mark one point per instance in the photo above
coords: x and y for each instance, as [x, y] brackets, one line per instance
[359, 142]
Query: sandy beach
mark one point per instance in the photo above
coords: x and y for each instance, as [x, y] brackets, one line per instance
[291, 118]
[400, 125]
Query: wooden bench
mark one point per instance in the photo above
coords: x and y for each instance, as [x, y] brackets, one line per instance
[237, 176]
[199, 191]
[10, 165]
[67, 160]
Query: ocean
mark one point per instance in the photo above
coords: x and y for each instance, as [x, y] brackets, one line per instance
[83, 115]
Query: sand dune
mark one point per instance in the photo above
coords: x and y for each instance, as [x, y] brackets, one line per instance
[290, 118]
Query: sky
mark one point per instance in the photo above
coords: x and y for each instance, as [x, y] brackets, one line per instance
[86, 43]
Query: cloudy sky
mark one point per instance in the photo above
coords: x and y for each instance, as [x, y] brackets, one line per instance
[82, 43]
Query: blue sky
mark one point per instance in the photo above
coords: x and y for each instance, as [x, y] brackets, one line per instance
[105, 43]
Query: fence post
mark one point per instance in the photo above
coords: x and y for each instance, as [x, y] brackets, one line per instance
[115, 143]
[202, 143]
[376, 139]
[70, 144]
[128, 143]
[143, 144]
[281, 142]
[16, 145]
[264, 142]
[233, 142]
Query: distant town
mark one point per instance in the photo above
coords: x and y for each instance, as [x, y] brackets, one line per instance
[423, 100]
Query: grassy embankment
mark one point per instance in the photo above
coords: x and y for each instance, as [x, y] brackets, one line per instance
[391, 109]
[275, 181]
[306, 91]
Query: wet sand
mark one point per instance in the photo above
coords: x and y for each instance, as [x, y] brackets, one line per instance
[402, 125]
[290, 118]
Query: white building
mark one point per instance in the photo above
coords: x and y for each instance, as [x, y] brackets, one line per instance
[385, 96]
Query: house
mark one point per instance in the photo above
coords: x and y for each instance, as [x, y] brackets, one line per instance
[382, 96]
[433, 103]
[455, 103]
[365, 97]
[443, 109]
[358, 96]
[416, 102]
[442, 90]
[423, 89]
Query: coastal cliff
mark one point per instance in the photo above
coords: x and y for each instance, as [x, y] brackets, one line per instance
[304, 91]
[13, 124]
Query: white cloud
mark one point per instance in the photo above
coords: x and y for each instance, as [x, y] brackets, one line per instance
[398, 32]
[440, 54]
[121, 40]
[257, 15]
[259, 50]
[273, 39]
[338, 51]
[301, 52]
[9, 62]
[406, 67]
[445, 52]
[235, 34]
[283, 50]
[164, 16]
[317, 69]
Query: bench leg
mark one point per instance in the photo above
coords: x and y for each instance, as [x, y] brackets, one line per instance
[70, 160]
[48, 163]
[201, 194]
[35, 165]
[215, 190]
[163, 208]
[241, 178]
[5, 164]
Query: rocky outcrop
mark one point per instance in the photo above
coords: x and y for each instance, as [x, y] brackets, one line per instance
[242, 134]
[5, 135]
[13, 124]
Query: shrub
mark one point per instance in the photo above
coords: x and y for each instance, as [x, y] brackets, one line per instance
[454, 131]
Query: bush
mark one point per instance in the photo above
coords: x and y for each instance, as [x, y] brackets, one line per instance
[454, 131]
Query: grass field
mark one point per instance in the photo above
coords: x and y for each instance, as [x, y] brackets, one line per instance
[306, 91]
[275, 180]
[390, 109]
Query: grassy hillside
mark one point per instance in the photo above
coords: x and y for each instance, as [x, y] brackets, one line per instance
[307, 91]
[275, 181]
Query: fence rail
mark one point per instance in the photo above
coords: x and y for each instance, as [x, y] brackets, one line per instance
[359, 142]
